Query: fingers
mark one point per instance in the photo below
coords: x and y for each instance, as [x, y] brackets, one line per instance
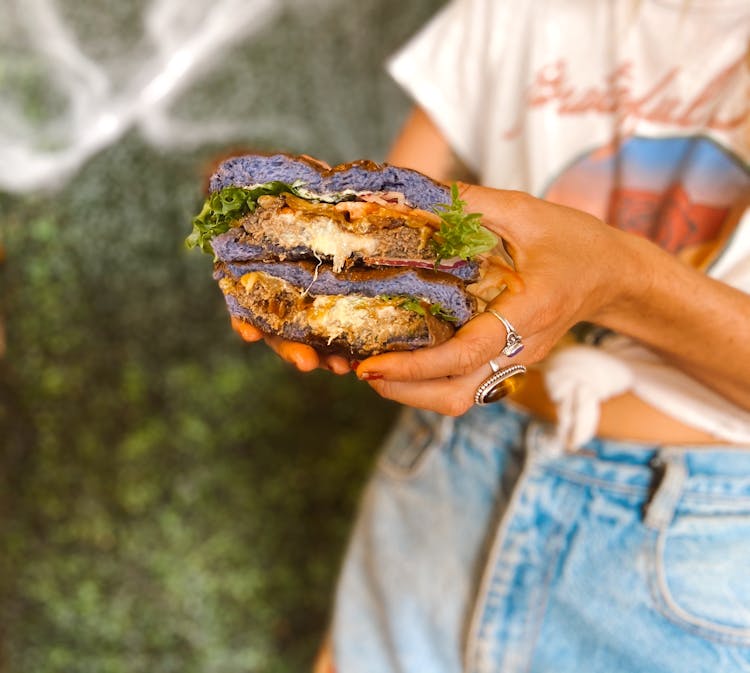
[337, 364]
[304, 357]
[429, 378]
[246, 330]
[300, 355]
[448, 396]
[474, 345]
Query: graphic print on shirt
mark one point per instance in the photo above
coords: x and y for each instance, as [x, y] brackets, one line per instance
[678, 192]
[719, 104]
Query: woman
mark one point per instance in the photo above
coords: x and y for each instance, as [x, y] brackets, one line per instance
[599, 519]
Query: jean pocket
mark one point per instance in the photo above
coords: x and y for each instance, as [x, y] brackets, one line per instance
[702, 575]
[411, 441]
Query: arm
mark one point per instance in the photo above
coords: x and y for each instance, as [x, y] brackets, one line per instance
[421, 146]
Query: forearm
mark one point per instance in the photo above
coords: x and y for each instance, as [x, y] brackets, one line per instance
[696, 322]
[421, 146]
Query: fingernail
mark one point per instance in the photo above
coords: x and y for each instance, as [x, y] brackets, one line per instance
[370, 376]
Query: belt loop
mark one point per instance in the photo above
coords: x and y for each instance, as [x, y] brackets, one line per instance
[542, 442]
[670, 474]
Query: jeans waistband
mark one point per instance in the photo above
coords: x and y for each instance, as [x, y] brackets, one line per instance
[719, 469]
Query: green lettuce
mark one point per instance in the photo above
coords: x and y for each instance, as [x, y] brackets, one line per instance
[414, 305]
[461, 234]
[222, 208]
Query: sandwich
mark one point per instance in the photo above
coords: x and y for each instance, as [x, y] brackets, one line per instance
[358, 259]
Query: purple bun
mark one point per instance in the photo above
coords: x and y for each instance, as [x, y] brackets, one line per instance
[361, 176]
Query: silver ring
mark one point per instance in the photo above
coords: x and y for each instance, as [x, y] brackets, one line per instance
[513, 341]
[494, 366]
[497, 385]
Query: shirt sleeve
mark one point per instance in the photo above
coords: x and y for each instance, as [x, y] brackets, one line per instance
[445, 67]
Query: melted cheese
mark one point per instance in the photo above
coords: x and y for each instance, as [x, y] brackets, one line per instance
[335, 316]
[325, 238]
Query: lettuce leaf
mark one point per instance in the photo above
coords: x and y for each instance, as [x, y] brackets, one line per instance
[222, 208]
[461, 234]
[414, 305]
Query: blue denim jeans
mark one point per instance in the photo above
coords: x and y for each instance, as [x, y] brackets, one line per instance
[483, 546]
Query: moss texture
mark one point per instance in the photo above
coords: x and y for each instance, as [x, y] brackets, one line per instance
[172, 499]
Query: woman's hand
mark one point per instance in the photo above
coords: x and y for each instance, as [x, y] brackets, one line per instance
[568, 267]
[563, 262]
[305, 358]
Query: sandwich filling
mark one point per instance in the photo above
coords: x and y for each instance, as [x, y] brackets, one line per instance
[380, 228]
[367, 323]
[343, 233]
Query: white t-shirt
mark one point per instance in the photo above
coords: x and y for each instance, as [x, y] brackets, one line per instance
[637, 111]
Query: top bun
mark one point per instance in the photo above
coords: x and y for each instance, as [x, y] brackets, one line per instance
[359, 176]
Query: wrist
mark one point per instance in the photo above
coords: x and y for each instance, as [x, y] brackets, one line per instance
[633, 284]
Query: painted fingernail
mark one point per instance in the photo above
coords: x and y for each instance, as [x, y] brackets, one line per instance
[370, 376]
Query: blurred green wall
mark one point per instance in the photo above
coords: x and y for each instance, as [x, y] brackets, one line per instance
[172, 499]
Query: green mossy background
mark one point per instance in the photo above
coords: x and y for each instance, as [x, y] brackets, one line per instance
[171, 498]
